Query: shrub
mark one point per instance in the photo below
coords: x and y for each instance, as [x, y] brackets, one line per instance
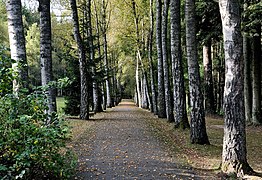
[33, 143]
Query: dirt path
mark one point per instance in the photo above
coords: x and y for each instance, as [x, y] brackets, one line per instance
[122, 146]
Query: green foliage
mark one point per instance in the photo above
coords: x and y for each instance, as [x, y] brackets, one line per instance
[208, 19]
[6, 72]
[33, 54]
[252, 17]
[32, 143]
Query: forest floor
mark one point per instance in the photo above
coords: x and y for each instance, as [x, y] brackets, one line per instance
[126, 142]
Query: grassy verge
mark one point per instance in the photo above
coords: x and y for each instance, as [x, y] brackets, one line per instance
[206, 157]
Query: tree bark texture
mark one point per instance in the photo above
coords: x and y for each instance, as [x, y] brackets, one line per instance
[161, 105]
[150, 47]
[208, 79]
[46, 52]
[180, 114]
[234, 145]
[198, 133]
[17, 43]
[84, 105]
[168, 102]
[256, 77]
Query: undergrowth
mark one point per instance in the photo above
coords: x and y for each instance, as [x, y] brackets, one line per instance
[31, 141]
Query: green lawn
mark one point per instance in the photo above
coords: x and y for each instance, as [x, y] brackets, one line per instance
[60, 104]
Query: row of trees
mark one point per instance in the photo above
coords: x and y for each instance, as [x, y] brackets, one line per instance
[168, 100]
[161, 43]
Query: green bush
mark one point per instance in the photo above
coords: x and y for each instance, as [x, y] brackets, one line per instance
[32, 143]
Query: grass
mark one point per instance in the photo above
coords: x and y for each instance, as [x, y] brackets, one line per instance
[60, 104]
[207, 157]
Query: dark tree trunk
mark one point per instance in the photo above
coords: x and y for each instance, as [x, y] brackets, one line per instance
[208, 79]
[234, 156]
[198, 133]
[161, 105]
[84, 106]
[17, 44]
[46, 52]
[256, 77]
[180, 116]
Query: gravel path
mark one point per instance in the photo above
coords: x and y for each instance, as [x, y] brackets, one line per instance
[122, 146]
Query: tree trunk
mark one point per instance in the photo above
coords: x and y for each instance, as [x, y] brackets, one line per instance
[180, 116]
[108, 86]
[138, 89]
[208, 79]
[247, 78]
[92, 58]
[46, 52]
[17, 44]
[150, 46]
[234, 145]
[198, 133]
[256, 76]
[168, 102]
[84, 106]
[102, 96]
[161, 105]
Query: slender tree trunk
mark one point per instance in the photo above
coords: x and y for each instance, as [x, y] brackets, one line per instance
[208, 79]
[247, 72]
[247, 78]
[17, 44]
[138, 91]
[46, 52]
[180, 116]
[168, 102]
[84, 106]
[256, 76]
[234, 145]
[161, 105]
[150, 47]
[108, 86]
[198, 133]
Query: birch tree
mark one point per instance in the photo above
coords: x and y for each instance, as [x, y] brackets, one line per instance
[180, 116]
[198, 133]
[150, 47]
[84, 105]
[161, 95]
[234, 156]
[46, 52]
[17, 43]
[168, 103]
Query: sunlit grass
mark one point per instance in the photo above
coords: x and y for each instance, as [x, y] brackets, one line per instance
[60, 104]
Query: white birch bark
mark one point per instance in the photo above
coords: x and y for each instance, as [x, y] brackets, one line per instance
[17, 43]
[234, 155]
